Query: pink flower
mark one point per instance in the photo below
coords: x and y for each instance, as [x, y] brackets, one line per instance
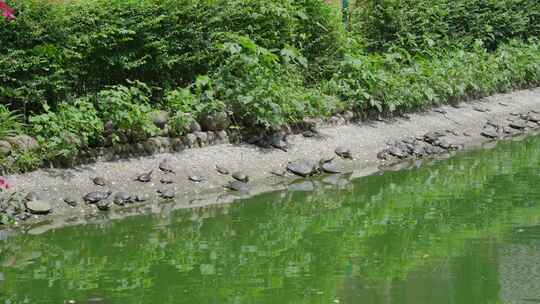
[4, 185]
[7, 12]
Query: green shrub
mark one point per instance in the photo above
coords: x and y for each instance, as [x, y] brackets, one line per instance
[53, 51]
[128, 109]
[261, 88]
[64, 132]
[420, 25]
[385, 83]
[10, 123]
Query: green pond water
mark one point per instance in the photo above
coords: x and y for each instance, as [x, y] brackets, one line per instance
[462, 230]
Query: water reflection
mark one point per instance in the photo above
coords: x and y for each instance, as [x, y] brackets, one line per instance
[441, 233]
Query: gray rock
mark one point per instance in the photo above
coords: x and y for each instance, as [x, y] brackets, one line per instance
[152, 145]
[216, 121]
[191, 140]
[348, 116]
[32, 196]
[38, 207]
[159, 118]
[5, 148]
[222, 136]
[303, 167]
[23, 142]
[178, 144]
[202, 138]
[194, 126]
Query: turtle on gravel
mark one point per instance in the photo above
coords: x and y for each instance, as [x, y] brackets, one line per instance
[278, 172]
[196, 178]
[222, 170]
[121, 198]
[145, 177]
[166, 167]
[237, 185]
[343, 152]
[96, 196]
[165, 180]
[240, 176]
[279, 143]
[329, 167]
[166, 194]
[140, 198]
[103, 205]
[303, 167]
[99, 181]
[432, 137]
[70, 201]
[31, 196]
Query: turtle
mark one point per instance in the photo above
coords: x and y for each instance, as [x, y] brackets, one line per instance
[31, 196]
[70, 201]
[240, 176]
[96, 196]
[145, 177]
[166, 194]
[103, 205]
[329, 167]
[166, 167]
[397, 152]
[121, 198]
[196, 178]
[99, 181]
[310, 134]
[222, 170]
[278, 172]
[343, 152]
[237, 185]
[279, 143]
[302, 167]
[518, 125]
[165, 180]
[140, 198]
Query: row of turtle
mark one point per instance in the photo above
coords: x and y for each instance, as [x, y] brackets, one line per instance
[239, 182]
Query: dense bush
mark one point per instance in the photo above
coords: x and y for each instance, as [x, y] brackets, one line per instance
[383, 83]
[10, 122]
[420, 25]
[71, 127]
[127, 110]
[54, 50]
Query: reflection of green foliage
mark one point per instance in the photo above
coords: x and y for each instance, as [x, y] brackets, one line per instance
[285, 248]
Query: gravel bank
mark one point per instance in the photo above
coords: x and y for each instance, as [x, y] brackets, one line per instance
[463, 125]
